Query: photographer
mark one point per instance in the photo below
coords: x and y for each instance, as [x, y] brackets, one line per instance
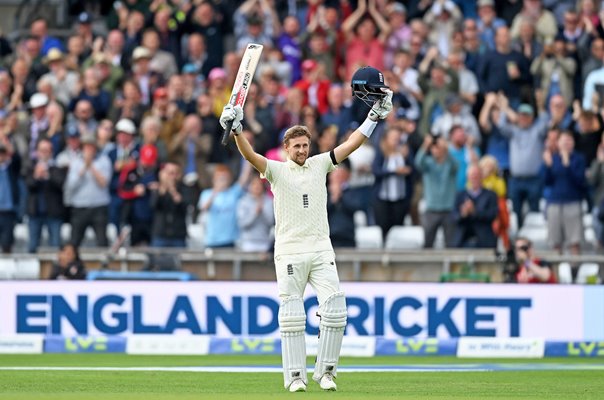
[530, 269]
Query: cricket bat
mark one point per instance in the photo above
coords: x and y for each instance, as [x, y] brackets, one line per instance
[242, 82]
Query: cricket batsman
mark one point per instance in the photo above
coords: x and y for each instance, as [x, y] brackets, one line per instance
[303, 250]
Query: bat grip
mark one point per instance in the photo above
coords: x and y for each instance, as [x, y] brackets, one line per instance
[227, 132]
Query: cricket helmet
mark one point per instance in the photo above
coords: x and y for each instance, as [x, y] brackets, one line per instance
[367, 84]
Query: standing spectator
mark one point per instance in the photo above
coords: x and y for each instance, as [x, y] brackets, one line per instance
[146, 79]
[73, 149]
[255, 218]
[129, 104]
[82, 118]
[456, 115]
[169, 210]
[555, 70]
[88, 182]
[588, 133]
[442, 19]
[559, 113]
[168, 113]
[488, 22]
[400, 36]
[504, 69]
[595, 177]
[44, 182]
[530, 269]
[439, 171]
[162, 61]
[465, 153]
[204, 20]
[468, 84]
[565, 174]
[362, 42]
[474, 213]
[592, 60]
[69, 265]
[526, 42]
[492, 180]
[197, 55]
[65, 83]
[218, 89]
[39, 123]
[99, 98]
[104, 137]
[220, 204]
[497, 145]
[255, 21]
[342, 203]
[149, 132]
[289, 45]
[393, 188]
[169, 31]
[10, 166]
[338, 113]
[542, 19]
[526, 137]
[314, 85]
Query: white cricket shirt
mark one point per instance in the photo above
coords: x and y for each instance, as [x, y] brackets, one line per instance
[300, 204]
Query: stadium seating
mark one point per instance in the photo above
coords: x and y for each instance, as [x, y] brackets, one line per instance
[195, 234]
[536, 234]
[7, 268]
[369, 237]
[360, 218]
[405, 237]
[588, 273]
[19, 268]
[564, 273]
[535, 219]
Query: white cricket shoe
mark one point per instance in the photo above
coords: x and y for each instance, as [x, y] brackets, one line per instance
[297, 386]
[327, 382]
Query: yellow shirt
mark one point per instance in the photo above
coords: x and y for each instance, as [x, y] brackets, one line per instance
[496, 184]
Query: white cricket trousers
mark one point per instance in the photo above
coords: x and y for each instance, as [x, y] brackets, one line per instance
[294, 271]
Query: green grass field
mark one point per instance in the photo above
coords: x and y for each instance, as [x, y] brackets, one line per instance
[150, 385]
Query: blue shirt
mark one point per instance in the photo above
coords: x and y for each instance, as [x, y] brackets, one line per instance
[221, 225]
[463, 160]
[6, 192]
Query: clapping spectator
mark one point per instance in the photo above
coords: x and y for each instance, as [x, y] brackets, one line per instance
[10, 166]
[555, 70]
[595, 177]
[169, 227]
[65, 83]
[88, 182]
[456, 114]
[69, 265]
[475, 210]
[565, 174]
[255, 217]
[542, 19]
[442, 19]
[129, 103]
[44, 180]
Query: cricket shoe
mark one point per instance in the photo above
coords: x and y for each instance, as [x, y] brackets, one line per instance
[297, 386]
[327, 382]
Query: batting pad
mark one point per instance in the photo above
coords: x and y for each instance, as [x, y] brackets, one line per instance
[333, 322]
[292, 321]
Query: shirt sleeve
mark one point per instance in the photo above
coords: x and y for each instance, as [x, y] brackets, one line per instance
[271, 171]
[324, 160]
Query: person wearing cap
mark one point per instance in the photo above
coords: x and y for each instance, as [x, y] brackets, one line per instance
[88, 182]
[162, 61]
[146, 79]
[400, 35]
[44, 181]
[363, 41]
[255, 21]
[65, 83]
[111, 75]
[39, 124]
[488, 22]
[314, 85]
[218, 89]
[167, 111]
[126, 150]
[135, 182]
[526, 135]
[193, 80]
[84, 29]
[10, 168]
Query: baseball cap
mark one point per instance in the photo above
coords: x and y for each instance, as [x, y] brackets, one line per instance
[54, 54]
[486, 3]
[160, 93]
[84, 18]
[38, 100]
[125, 125]
[525, 108]
[309, 65]
[397, 8]
[89, 139]
[72, 131]
[190, 69]
[141, 52]
[254, 19]
[217, 73]
[148, 155]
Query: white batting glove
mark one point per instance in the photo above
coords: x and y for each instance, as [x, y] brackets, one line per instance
[235, 114]
[381, 108]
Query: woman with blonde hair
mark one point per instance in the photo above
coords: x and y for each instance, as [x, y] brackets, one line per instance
[493, 181]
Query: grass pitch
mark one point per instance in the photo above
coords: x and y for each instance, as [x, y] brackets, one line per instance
[533, 383]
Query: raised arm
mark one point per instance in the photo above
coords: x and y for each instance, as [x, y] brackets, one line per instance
[379, 20]
[350, 22]
[235, 114]
[379, 111]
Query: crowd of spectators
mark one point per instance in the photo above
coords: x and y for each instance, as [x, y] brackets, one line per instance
[116, 122]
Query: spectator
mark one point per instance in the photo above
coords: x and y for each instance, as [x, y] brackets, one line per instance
[439, 171]
[338, 113]
[400, 36]
[588, 133]
[492, 180]
[255, 218]
[491, 74]
[442, 19]
[393, 188]
[82, 118]
[104, 137]
[468, 84]
[565, 173]
[255, 21]
[10, 166]
[555, 70]
[526, 137]
[169, 32]
[39, 28]
[180, 94]
[220, 203]
[406, 74]
[288, 44]
[114, 49]
[542, 19]
[39, 123]
[73, 149]
[526, 43]
[488, 22]
[76, 53]
[456, 115]
[110, 76]
[136, 180]
[559, 113]
[197, 55]
[362, 42]
[162, 61]
[218, 89]
[88, 182]
[150, 130]
[592, 60]
[497, 145]
[84, 30]
[99, 98]
[146, 78]
[169, 210]
[44, 180]
[128, 104]
[203, 19]
[463, 150]
[530, 269]
[314, 85]
[595, 177]
[474, 213]
[342, 204]
[65, 83]
[69, 265]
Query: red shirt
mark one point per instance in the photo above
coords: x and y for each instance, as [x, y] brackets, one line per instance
[522, 277]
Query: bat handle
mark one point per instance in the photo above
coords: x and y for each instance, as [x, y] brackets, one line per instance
[227, 133]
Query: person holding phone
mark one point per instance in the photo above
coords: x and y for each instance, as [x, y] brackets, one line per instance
[529, 268]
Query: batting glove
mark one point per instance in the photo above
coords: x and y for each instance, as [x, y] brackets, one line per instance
[235, 114]
[382, 107]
